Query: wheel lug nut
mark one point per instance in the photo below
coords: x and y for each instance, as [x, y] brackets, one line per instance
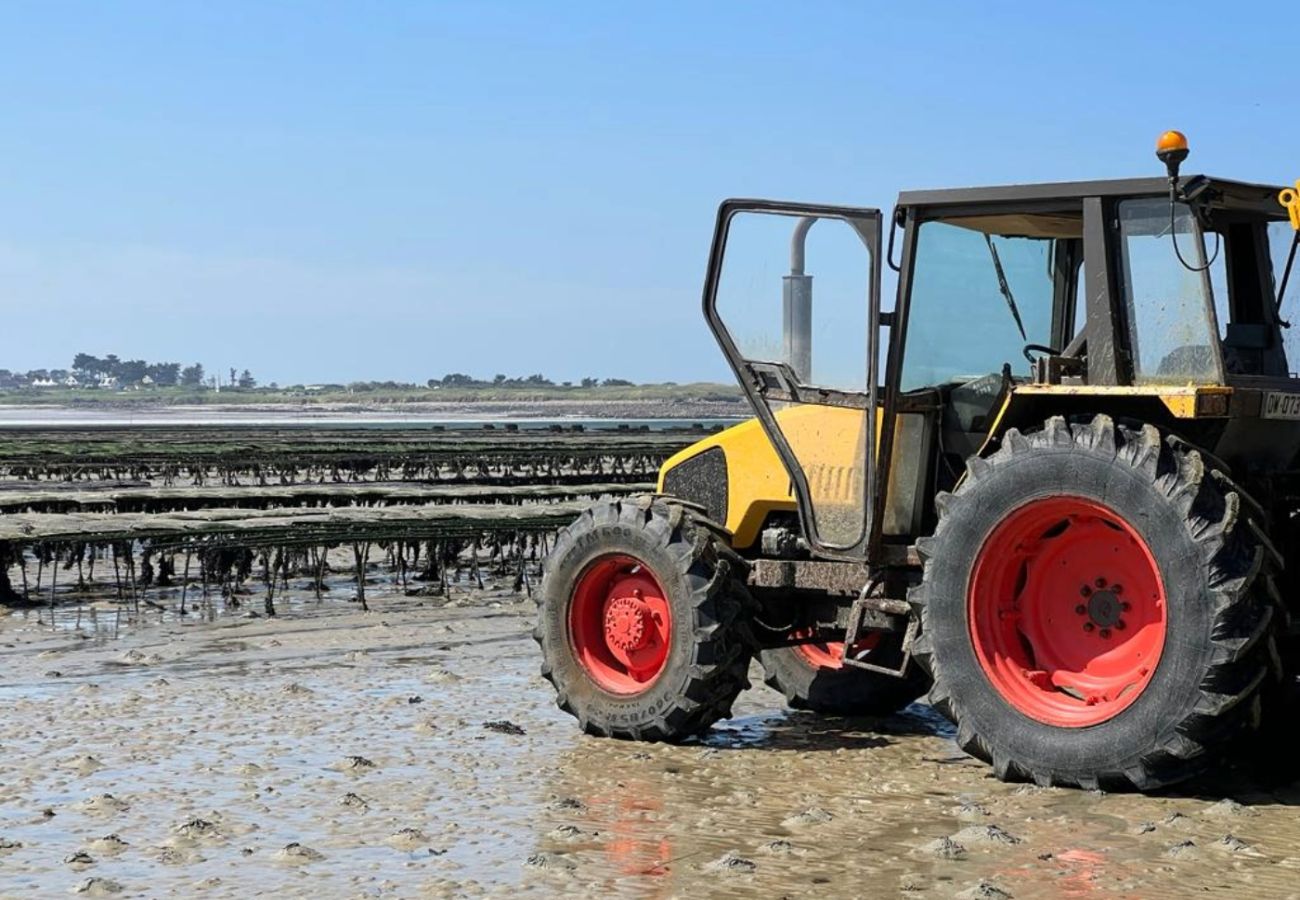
[1081, 609]
[1100, 582]
[1088, 626]
[1085, 591]
[1120, 625]
[1126, 606]
[1117, 588]
[1105, 632]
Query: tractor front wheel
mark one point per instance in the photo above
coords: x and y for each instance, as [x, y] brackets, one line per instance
[1096, 609]
[814, 676]
[641, 621]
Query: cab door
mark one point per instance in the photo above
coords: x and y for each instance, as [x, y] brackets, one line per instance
[792, 294]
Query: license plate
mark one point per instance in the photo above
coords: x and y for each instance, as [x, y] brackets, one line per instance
[1278, 405]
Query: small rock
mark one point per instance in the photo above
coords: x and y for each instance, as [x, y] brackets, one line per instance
[7, 845]
[353, 801]
[197, 828]
[104, 804]
[1228, 809]
[1144, 828]
[414, 699]
[984, 834]
[296, 689]
[730, 862]
[109, 845]
[943, 848]
[970, 812]
[439, 675]
[98, 887]
[552, 861]
[504, 726]
[1183, 850]
[912, 881]
[175, 856]
[408, 839]
[1232, 844]
[1177, 820]
[79, 860]
[355, 764]
[567, 803]
[812, 816]
[983, 890]
[84, 765]
[569, 833]
[297, 854]
[778, 847]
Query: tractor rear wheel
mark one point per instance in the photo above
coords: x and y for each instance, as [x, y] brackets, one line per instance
[641, 621]
[813, 676]
[1096, 609]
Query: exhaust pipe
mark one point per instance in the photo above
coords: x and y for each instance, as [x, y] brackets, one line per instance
[796, 306]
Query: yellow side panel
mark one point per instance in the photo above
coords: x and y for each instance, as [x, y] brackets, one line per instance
[1180, 400]
[827, 441]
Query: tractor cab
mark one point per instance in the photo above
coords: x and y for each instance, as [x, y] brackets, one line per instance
[1012, 303]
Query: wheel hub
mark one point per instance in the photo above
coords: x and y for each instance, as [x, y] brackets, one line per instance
[625, 624]
[620, 624]
[1067, 611]
[1104, 609]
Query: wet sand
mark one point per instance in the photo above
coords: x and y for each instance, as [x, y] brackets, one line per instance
[414, 751]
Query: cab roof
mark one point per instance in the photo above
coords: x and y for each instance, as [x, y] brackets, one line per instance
[1235, 192]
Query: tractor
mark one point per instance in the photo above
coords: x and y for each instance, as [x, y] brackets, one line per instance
[1054, 486]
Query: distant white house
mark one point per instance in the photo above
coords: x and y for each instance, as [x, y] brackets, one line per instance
[107, 382]
[44, 383]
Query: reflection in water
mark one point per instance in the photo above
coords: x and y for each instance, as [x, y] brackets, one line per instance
[660, 820]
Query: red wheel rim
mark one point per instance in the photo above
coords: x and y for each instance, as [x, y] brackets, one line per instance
[830, 654]
[620, 624]
[1067, 611]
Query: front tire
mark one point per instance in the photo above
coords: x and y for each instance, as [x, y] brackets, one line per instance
[814, 677]
[641, 621]
[1095, 609]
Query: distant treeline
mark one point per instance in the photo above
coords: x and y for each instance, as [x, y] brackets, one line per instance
[111, 373]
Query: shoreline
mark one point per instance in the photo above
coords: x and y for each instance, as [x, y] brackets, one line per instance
[470, 412]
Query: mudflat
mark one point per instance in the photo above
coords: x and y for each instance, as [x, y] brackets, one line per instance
[415, 751]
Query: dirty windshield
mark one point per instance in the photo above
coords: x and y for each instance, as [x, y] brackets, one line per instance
[977, 299]
[1282, 249]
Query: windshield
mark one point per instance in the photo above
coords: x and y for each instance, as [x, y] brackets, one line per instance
[1281, 240]
[977, 299]
[1170, 314]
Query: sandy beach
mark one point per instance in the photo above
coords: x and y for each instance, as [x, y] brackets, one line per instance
[414, 751]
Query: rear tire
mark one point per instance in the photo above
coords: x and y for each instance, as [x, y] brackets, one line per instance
[1214, 613]
[642, 621]
[812, 678]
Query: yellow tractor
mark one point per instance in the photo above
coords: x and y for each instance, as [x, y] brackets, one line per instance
[1054, 486]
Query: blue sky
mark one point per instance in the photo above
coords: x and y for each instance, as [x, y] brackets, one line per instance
[322, 191]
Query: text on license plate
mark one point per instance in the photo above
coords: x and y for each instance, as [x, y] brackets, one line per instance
[1278, 405]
